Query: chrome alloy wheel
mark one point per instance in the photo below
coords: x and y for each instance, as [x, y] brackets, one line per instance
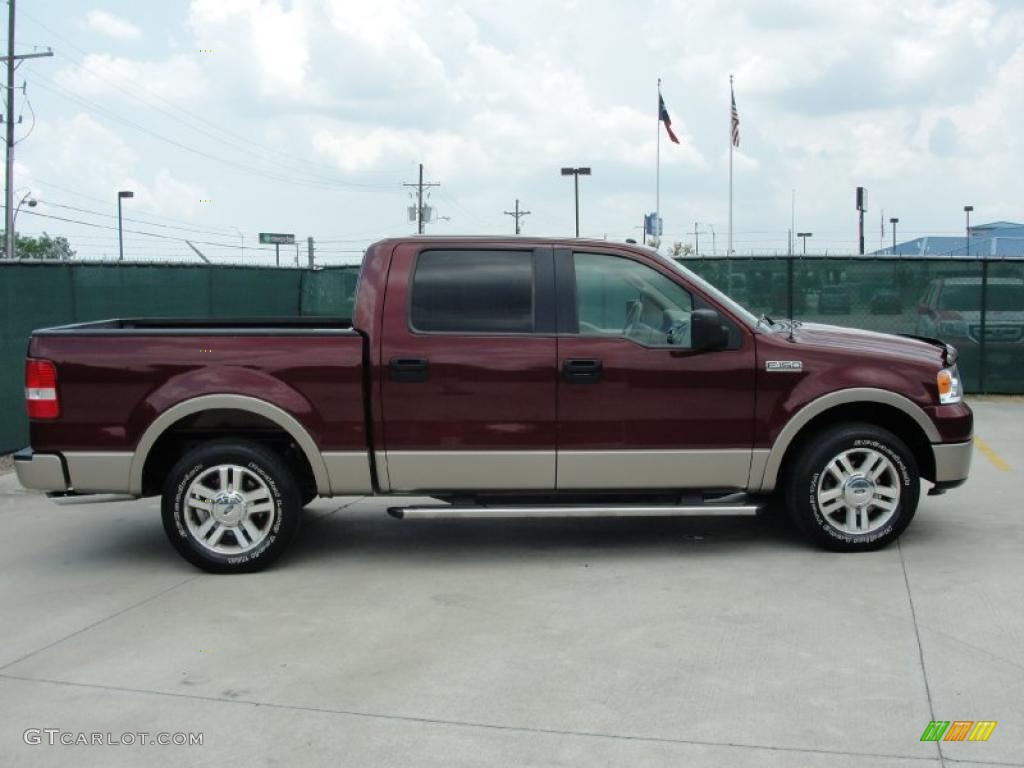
[229, 509]
[859, 491]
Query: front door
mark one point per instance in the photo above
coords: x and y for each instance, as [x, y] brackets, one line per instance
[469, 380]
[638, 408]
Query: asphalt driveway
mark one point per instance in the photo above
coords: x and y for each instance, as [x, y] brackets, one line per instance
[701, 642]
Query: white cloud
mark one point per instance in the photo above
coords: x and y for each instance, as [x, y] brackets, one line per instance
[178, 79]
[112, 26]
[918, 101]
[83, 154]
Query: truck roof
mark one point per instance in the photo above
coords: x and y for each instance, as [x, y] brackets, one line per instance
[506, 240]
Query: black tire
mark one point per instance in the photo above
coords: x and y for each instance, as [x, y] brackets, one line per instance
[263, 474]
[308, 497]
[804, 479]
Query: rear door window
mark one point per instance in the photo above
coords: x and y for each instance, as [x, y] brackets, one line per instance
[473, 292]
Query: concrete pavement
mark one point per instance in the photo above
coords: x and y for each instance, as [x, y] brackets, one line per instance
[702, 642]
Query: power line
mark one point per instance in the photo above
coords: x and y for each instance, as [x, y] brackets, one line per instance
[134, 220]
[84, 196]
[233, 139]
[60, 90]
[234, 246]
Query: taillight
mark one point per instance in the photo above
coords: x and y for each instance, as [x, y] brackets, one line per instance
[41, 389]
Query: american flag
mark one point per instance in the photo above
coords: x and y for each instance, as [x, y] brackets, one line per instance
[735, 120]
[663, 116]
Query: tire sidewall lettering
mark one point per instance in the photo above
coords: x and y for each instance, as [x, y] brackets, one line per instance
[179, 507]
[812, 497]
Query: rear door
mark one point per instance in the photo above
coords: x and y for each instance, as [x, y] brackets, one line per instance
[469, 382]
[638, 407]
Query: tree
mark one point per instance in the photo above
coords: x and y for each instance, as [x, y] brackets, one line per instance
[43, 247]
[679, 250]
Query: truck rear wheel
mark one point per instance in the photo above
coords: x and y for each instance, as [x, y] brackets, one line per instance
[230, 506]
[853, 487]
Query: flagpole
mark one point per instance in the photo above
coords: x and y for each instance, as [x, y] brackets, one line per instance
[657, 171]
[729, 252]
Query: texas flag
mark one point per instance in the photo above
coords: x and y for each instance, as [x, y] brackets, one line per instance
[663, 116]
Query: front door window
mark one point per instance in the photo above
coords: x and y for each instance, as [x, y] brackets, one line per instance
[618, 297]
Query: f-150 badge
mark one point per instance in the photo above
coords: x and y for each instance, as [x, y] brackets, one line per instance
[783, 366]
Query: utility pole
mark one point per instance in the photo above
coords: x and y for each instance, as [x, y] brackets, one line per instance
[420, 186]
[12, 62]
[309, 244]
[517, 214]
[696, 239]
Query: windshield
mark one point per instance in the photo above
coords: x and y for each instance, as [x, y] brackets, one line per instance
[961, 298]
[730, 304]
[1005, 297]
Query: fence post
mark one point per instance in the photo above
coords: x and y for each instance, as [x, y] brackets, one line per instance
[983, 341]
[789, 284]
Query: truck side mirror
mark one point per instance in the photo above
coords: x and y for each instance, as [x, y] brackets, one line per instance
[707, 331]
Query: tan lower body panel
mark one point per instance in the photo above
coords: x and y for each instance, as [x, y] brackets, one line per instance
[625, 470]
[348, 472]
[576, 470]
[99, 472]
[758, 462]
[471, 470]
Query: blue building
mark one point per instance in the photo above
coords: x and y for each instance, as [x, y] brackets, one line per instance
[998, 239]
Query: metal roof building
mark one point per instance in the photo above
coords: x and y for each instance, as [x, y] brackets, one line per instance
[998, 239]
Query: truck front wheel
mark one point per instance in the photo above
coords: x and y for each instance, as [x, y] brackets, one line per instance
[230, 506]
[853, 487]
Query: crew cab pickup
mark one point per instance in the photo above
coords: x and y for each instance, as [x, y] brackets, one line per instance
[502, 377]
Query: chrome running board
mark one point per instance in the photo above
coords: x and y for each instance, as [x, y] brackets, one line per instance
[575, 510]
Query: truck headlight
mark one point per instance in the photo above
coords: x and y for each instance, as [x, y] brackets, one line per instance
[948, 381]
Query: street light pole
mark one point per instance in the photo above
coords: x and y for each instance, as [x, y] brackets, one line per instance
[967, 210]
[576, 173]
[123, 195]
[894, 222]
[804, 236]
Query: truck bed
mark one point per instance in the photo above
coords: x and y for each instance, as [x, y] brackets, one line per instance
[116, 376]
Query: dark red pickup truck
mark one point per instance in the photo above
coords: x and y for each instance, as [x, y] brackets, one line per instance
[503, 377]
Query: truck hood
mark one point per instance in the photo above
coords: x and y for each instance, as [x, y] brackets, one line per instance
[873, 343]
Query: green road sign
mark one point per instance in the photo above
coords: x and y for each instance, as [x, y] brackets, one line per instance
[272, 238]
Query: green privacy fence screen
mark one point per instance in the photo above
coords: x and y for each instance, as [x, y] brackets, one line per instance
[978, 306]
[40, 294]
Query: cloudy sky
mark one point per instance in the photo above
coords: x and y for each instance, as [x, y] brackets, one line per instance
[231, 117]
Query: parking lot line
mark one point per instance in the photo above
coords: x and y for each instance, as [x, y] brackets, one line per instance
[991, 455]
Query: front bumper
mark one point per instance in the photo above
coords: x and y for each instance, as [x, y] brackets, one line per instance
[40, 471]
[952, 462]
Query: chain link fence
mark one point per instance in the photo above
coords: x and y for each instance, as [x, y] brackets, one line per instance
[977, 305]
